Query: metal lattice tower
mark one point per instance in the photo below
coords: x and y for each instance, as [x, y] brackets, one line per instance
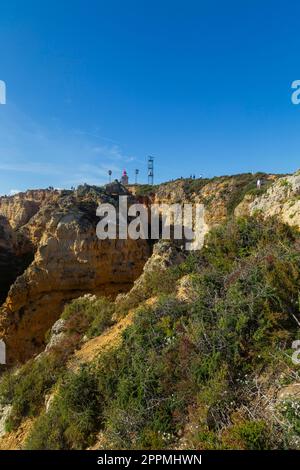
[150, 170]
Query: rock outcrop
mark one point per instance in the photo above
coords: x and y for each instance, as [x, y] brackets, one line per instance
[219, 195]
[19, 209]
[281, 199]
[69, 261]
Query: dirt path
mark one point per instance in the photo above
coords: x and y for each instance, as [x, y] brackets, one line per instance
[14, 440]
[110, 338]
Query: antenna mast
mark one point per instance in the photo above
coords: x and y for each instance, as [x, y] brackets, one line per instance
[150, 170]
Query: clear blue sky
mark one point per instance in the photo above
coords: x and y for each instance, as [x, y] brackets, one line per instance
[204, 86]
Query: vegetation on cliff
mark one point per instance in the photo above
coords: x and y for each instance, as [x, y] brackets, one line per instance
[196, 355]
[202, 364]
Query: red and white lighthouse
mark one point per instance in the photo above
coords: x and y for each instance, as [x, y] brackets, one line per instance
[124, 178]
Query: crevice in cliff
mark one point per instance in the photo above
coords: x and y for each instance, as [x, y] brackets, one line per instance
[12, 266]
[16, 254]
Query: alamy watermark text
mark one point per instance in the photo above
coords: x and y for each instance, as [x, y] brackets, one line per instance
[161, 221]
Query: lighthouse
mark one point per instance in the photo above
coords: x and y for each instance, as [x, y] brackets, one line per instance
[124, 178]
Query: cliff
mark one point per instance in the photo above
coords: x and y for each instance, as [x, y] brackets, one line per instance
[19, 209]
[205, 336]
[281, 199]
[49, 252]
[69, 261]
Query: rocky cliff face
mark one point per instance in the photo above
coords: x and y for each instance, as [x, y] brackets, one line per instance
[69, 261]
[57, 232]
[219, 195]
[19, 209]
[282, 199]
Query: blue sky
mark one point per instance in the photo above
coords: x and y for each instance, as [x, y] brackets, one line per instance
[204, 86]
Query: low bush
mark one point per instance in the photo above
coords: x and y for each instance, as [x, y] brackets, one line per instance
[88, 315]
[25, 388]
[247, 435]
[73, 418]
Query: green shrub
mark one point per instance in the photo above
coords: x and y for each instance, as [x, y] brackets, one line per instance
[88, 315]
[290, 408]
[246, 184]
[253, 434]
[73, 417]
[25, 389]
